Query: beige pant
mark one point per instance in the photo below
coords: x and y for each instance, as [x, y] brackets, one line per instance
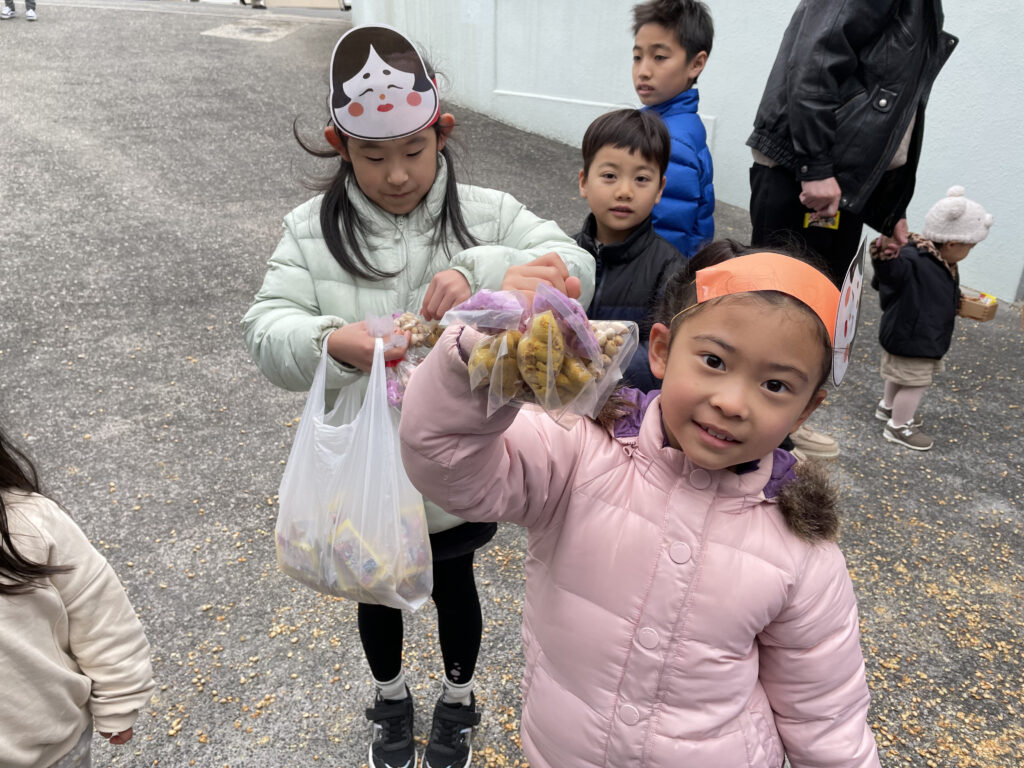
[910, 371]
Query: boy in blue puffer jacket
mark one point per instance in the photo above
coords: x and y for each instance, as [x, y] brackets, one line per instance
[671, 43]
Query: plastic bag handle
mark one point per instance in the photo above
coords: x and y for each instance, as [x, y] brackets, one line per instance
[316, 391]
[377, 389]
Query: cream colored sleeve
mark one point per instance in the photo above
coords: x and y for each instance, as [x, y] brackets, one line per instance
[107, 639]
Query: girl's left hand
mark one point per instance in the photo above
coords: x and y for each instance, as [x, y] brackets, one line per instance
[447, 289]
[118, 738]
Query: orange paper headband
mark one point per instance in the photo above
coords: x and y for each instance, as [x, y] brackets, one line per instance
[772, 272]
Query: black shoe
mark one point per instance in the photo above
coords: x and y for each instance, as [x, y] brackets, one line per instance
[451, 736]
[392, 745]
[242, 2]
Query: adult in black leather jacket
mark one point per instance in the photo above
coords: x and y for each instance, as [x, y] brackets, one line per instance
[848, 88]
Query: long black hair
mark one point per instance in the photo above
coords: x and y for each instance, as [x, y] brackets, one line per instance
[342, 224]
[17, 573]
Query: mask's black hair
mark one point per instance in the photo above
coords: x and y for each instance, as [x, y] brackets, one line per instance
[390, 45]
[342, 225]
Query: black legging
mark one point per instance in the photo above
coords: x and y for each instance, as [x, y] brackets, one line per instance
[459, 624]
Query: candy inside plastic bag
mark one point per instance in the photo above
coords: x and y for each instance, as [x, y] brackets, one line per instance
[559, 360]
[571, 318]
[423, 334]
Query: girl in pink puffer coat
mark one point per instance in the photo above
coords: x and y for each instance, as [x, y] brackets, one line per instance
[686, 603]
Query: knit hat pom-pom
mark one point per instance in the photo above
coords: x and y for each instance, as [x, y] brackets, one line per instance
[956, 191]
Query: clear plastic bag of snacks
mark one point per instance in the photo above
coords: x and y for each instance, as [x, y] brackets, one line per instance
[423, 334]
[351, 524]
[550, 355]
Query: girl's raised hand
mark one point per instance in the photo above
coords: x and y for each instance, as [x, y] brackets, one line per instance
[118, 738]
[447, 289]
[549, 269]
[353, 344]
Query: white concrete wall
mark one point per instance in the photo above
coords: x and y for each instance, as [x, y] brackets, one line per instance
[552, 66]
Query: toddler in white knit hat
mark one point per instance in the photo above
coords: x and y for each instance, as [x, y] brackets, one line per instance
[919, 288]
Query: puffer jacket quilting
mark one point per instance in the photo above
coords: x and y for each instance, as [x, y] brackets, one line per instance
[685, 215]
[672, 617]
[306, 294]
[631, 277]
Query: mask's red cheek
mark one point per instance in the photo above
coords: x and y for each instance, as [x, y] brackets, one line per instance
[414, 99]
[355, 109]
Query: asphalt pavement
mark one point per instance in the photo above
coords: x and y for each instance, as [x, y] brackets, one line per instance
[146, 161]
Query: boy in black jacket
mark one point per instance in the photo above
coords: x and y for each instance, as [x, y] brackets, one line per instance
[919, 289]
[625, 154]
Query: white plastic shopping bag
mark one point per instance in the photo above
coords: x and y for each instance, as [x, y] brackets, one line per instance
[351, 523]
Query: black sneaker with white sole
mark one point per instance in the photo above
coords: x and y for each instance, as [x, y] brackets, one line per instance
[392, 744]
[451, 736]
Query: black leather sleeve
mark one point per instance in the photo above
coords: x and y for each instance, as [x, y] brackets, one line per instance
[821, 74]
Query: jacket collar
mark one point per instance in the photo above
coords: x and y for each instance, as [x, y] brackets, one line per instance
[627, 250]
[422, 218]
[926, 246]
[685, 102]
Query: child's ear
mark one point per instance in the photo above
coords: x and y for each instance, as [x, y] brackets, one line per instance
[447, 123]
[696, 65]
[812, 406]
[583, 188]
[660, 189]
[331, 134]
[657, 349]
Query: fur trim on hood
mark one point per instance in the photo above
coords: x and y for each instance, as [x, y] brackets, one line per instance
[809, 503]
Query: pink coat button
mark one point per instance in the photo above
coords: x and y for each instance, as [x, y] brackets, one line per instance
[629, 714]
[679, 552]
[700, 479]
[648, 638]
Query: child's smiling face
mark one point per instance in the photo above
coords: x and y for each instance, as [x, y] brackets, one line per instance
[741, 375]
[621, 187]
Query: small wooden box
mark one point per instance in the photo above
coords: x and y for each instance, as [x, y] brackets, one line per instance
[981, 308]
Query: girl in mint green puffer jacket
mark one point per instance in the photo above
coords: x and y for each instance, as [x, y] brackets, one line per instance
[392, 232]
